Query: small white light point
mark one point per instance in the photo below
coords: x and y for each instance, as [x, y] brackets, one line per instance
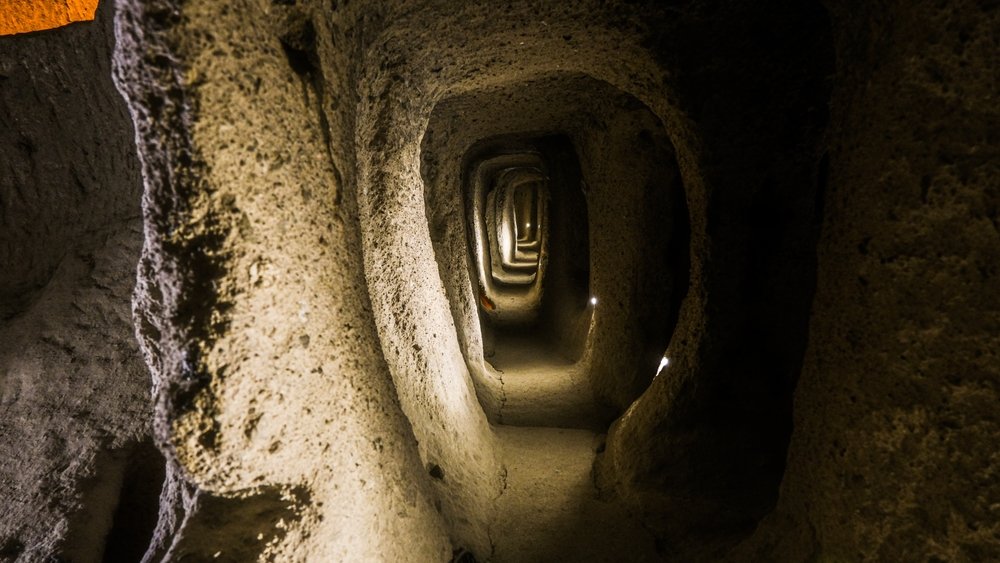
[664, 362]
[593, 301]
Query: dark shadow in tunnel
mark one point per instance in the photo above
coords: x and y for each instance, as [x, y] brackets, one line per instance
[119, 505]
[135, 517]
[712, 434]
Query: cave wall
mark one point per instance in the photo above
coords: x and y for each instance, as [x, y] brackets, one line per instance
[289, 308]
[894, 451]
[253, 308]
[74, 390]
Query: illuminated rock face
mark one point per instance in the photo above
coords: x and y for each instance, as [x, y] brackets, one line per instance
[508, 223]
[410, 272]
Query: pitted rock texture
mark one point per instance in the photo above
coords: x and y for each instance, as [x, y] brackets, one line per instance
[268, 373]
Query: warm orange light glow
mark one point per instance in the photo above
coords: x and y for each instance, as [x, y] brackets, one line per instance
[23, 16]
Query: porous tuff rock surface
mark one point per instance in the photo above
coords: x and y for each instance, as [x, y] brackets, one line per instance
[894, 454]
[74, 391]
[252, 308]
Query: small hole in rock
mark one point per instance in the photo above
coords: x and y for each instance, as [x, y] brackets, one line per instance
[436, 472]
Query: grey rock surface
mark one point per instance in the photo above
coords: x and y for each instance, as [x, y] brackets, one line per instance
[75, 412]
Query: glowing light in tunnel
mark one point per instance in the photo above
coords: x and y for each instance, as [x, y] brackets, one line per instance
[664, 362]
[593, 301]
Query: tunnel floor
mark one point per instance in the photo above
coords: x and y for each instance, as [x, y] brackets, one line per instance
[541, 388]
[550, 433]
[550, 510]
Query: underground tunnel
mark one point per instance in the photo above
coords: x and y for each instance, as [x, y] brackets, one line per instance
[343, 280]
[539, 352]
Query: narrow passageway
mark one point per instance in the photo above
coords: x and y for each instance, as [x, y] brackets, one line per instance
[543, 224]
[468, 282]
[550, 428]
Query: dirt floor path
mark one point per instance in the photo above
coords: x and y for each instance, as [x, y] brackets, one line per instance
[543, 389]
[550, 510]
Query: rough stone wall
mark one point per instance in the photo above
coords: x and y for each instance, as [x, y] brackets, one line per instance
[425, 53]
[894, 455]
[74, 390]
[271, 389]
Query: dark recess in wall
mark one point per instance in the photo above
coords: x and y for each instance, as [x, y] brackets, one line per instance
[138, 507]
